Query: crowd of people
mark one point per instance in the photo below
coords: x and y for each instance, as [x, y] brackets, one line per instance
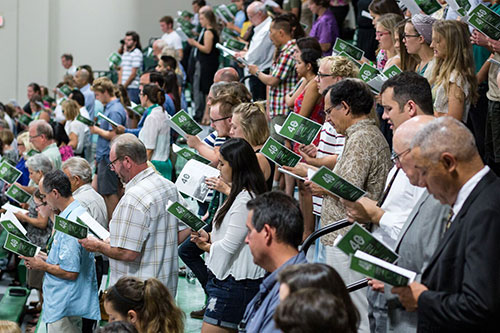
[425, 149]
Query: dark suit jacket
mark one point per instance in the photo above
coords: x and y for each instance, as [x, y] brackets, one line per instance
[463, 276]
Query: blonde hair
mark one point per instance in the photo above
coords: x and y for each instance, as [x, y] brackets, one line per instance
[70, 109]
[389, 22]
[340, 66]
[103, 84]
[7, 326]
[6, 136]
[253, 122]
[24, 138]
[458, 56]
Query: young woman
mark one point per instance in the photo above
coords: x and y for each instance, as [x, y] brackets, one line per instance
[453, 77]
[233, 277]
[417, 38]
[155, 134]
[148, 305]
[408, 61]
[325, 28]
[207, 59]
[384, 34]
[75, 129]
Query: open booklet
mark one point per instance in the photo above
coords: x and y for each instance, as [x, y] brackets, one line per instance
[485, 20]
[352, 51]
[427, 7]
[336, 185]
[299, 129]
[185, 215]
[109, 120]
[374, 78]
[183, 124]
[378, 269]
[17, 194]
[228, 52]
[12, 225]
[279, 154]
[188, 154]
[84, 120]
[358, 238]
[95, 227]
[191, 180]
[14, 209]
[71, 228]
[20, 246]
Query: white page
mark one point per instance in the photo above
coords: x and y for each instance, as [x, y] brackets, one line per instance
[291, 174]
[379, 262]
[94, 226]
[14, 209]
[191, 180]
[9, 215]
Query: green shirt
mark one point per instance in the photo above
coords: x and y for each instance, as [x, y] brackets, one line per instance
[52, 152]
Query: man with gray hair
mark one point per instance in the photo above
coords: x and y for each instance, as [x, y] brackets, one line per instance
[144, 237]
[82, 82]
[42, 138]
[261, 49]
[459, 288]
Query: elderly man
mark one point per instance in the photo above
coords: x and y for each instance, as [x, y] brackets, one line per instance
[365, 162]
[42, 138]
[275, 226]
[459, 290]
[261, 49]
[70, 284]
[82, 82]
[144, 237]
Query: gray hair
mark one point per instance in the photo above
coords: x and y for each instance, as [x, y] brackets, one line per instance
[79, 167]
[259, 7]
[129, 145]
[160, 44]
[445, 134]
[40, 162]
[43, 128]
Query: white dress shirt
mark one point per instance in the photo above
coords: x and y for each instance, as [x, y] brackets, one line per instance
[261, 49]
[466, 190]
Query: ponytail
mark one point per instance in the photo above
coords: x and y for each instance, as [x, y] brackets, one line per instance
[154, 93]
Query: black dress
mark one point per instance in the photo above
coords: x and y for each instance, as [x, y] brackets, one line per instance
[209, 63]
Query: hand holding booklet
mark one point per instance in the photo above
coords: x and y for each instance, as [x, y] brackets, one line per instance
[185, 216]
[109, 120]
[336, 185]
[191, 180]
[381, 270]
[279, 154]
[228, 52]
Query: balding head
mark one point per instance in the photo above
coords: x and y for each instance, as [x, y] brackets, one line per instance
[403, 136]
[82, 77]
[256, 13]
[226, 74]
[158, 46]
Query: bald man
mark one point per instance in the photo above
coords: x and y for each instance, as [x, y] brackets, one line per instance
[82, 78]
[459, 289]
[226, 74]
[421, 232]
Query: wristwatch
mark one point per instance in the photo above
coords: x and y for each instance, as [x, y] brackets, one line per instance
[257, 73]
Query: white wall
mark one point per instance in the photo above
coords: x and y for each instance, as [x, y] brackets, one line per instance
[37, 32]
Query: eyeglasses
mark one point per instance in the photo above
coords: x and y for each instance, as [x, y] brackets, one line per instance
[35, 136]
[216, 120]
[320, 75]
[44, 203]
[395, 157]
[405, 35]
[382, 33]
[111, 164]
[327, 111]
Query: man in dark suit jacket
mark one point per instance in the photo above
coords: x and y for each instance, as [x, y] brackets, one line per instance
[460, 286]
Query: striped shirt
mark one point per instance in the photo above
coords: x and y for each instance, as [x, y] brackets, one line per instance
[131, 60]
[141, 223]
[330, 143]
[213, 140]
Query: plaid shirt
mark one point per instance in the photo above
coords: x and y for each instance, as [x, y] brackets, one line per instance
[284, 69]
[141, 223]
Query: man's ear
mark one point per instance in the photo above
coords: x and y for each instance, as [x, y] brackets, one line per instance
[412, 108]
[268, 233]
[449, 162]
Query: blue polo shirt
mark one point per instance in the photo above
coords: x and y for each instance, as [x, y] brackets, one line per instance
[259, 319]
[115, 111]
[65, 298]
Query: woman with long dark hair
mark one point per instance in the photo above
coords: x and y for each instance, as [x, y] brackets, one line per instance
[234, 279]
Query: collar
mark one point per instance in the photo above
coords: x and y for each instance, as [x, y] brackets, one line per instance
[359, 125]
[262, 24]
[288, 45]
[52, 145]
[67, 211]
[140, 176]
[83, 188]
[110, 104]
[85, 87]
[269, 282]
[466, 190]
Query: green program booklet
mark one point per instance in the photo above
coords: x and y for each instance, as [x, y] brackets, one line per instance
[183, 124]
[71, 228]
[115, 59]
[280, 154]
[417, 6]
[381, 270]
[84, 120]
[336, 185]
[9, 173]
[138, 110]
[11, 228]
[185, 216]
[392, 71]
[31, 152]
[25, 119]
[358, 238]
[65, 90]
[188, 154]
[343, 46]
[20, 246]
[101, 115]
[300, 129]
[18, 194]
[234, 44]
[367, 72]
[185, 13]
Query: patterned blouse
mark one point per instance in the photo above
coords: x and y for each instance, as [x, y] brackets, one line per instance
[365, 162]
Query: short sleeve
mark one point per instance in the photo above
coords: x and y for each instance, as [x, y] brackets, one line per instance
[149, 132]
[137, 58]
[177, 42]
[129, 226]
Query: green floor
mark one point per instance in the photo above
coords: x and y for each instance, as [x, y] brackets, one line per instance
[190, 297]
